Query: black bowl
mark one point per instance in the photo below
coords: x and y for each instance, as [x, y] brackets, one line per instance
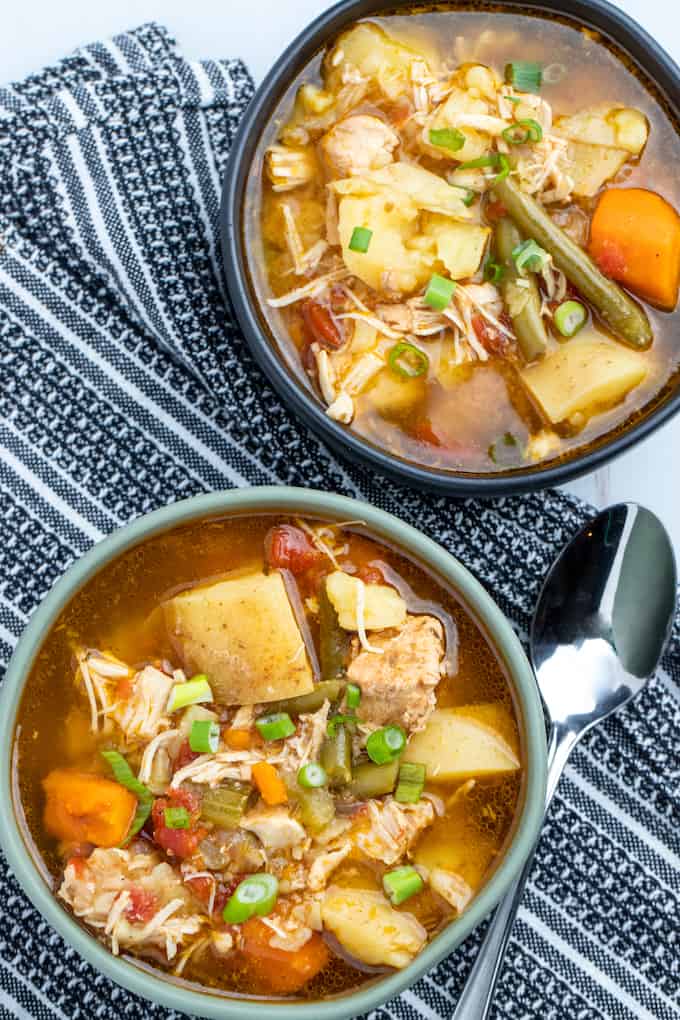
[657, 68]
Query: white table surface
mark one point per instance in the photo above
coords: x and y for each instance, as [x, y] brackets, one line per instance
[37, 32]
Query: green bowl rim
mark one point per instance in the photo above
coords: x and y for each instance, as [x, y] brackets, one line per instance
[269, 499]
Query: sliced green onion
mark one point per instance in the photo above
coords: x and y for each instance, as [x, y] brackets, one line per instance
[276, 726]
[447, 138]
[407, 360]
[411, 782]
[205, 736]
[439, 292]
[528, 130]
[469, 197]
[513, 99]
[312, 775]
[124, 775]
[570, 317]
[360, 239]
[192, 692]
[385, 744]
[353, 695]
[176, 818]
[339, 720]
[529, 256]
[255, 895]
[554, 73]
[524, 75]
[402, 883]
[493, 271]
[504, 168]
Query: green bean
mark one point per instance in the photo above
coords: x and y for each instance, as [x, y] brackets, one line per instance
[226, 804]
[622, 315]
[371, 780]
[326, 690]
[522, 303]
[333, 640]
[336, 757]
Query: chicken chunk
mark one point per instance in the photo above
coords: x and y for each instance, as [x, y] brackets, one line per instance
[451, 887]
[274, 827]
[135, 898]
[143, 713]
[357, 144]
[393, 828]
[399, 685]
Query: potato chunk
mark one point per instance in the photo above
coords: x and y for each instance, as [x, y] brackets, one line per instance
[586, 374]
[369, 928]
[388, 260]
[383, 606]
[242, 632]
[460, 246]
[377, 56]
[458, 743]
[601, 140]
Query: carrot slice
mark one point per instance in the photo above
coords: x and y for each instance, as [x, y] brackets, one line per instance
[276, 970]
[238, 740]
[83, 807]
[269, 783]
[635, 238]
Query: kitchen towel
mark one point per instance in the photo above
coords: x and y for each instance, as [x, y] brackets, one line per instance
[125, 385]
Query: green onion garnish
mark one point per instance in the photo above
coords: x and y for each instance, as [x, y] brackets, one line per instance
[524, 75]
[256, 894]
[385, 744]
[176, 818]
[312, 775]
[360, 239]
[411, 782]
[503, 169]
[493, 271]
[439, 292]
[205, 736]
[469, 197]
[402, 883]
[124, 775]
[353, 695]
[529, 256]
[497, 160]
[528, 130]
[339, 720]
[570, 317]
[192, 692]
[447, 138]
[407, 360]
[276, 726]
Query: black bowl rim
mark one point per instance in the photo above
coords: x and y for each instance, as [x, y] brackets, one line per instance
[598, 14]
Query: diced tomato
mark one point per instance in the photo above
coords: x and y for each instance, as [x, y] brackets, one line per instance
[495, 211]
[185, 756]
[370, 575]
[202, 889]
[177, 842]
[124, 688]
[490, 337]
[320, 324]
[424, 432]
[142, 906]
[611, 259]
[289, 548]
[77, 863]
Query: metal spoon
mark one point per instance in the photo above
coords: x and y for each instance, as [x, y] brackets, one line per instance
[602, 621]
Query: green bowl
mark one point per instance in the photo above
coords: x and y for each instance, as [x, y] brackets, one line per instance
[189, 998]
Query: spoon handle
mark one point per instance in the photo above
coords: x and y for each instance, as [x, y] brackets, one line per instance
[477, 996]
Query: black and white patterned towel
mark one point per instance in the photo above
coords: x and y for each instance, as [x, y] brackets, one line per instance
[124, 385]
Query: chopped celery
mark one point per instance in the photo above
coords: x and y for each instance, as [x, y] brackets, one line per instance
[225, 805]
[316, 806]
[371, 780]
[336, 756]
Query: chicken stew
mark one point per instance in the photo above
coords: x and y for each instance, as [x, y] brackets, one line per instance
[269, 756]
[465, 237]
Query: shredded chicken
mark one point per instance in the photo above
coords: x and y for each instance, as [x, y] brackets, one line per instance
[451, 887]
[144, 712]
[289, 168]
[394, 828]
[324, 864]
[398, 686]
[305, 745]
[275, 827]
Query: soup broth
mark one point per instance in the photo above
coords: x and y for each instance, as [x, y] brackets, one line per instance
[270, 756]
[444, 342]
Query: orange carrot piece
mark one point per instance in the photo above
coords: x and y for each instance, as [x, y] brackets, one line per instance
[635, 238]
[278, 971]
[269, 783]
[83, 807]
[238, 740]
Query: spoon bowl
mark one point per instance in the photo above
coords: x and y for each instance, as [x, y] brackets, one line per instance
[601, 624]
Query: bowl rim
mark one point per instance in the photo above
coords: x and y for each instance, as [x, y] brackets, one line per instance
[599, 14]
[190, 999]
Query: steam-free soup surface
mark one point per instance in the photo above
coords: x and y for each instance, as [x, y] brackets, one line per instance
[271, 756]
[397, 246]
